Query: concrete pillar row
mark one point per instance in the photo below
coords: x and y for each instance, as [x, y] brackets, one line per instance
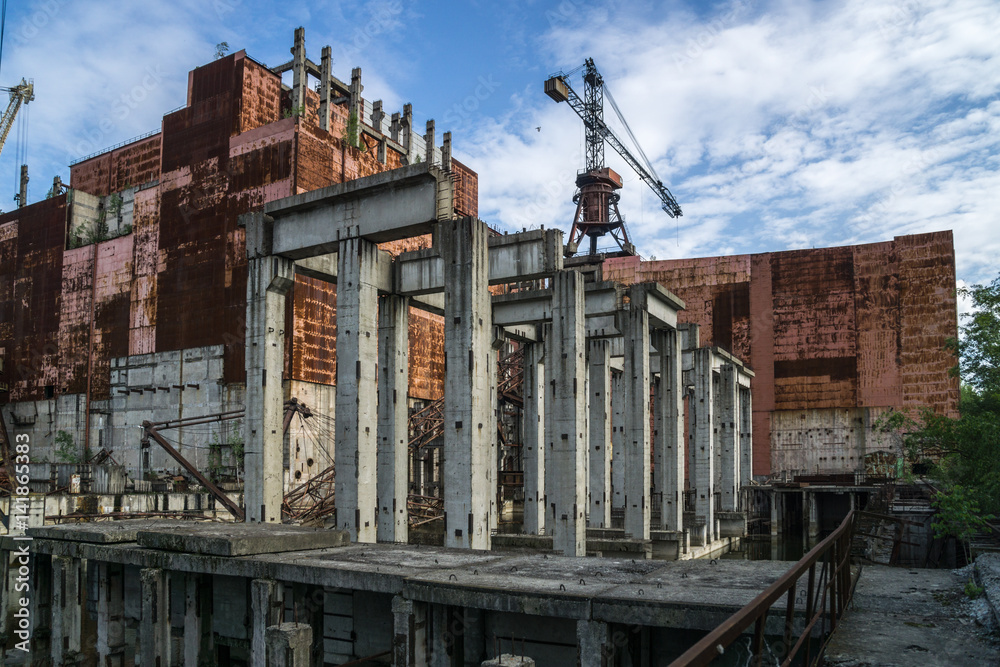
[393, 417]
[566, 417]
[533, 442]
[268, 281]
[357, 388]
[727, 438]
[703, 446]
[635, 331]
[599, 493]
[470, 449]
[668, 442]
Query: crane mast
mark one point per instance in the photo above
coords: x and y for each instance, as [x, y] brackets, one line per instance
[597, 195]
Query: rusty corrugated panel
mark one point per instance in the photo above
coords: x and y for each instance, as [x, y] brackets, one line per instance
[314, 331]
[928, 317]
[111, 311]
[74, 319]
[317, 159]
[30, 300]
[466, 190]
[876, 302]
[135, 164]
[815, 353]
[762, 360]
[426, 355]
[146, 240]
[92, 176]
[260, 95]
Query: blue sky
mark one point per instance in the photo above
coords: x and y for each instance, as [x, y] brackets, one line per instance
[776, 125]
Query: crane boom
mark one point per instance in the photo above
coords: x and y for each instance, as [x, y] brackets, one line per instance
[598, 128]
[20, 94]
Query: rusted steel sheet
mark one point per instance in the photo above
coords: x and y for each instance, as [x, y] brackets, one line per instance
[426, 355]
[260, 95]
[928, 317]
[131, 165]
[29, 301]
[146, 243]
[74, 319]
[876, 304]
[93, 175]
[761, 360]
[466, 190]
[314, 331]
[111, 310]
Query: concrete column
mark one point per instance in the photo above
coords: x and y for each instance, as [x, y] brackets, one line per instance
[727, 438]
[267, 604]
[154, 628]
[289, 645]
[324, 88]
[565, 417]
[429, 143]
[357, 388]
[110, 614]
[703, 425]
[268, 281]
[592, 641]
[409, 644]
[443, 637]
[470, 450]
[811, 512]
[406, 131]
[393, 417]
[618, 441]
[41, 608]
[67, 599]
[533, 442]
[599, 493]
[354, 91]
[746, 437]
[668, 442]
[635, 330]
[299, 78]
[198, 638]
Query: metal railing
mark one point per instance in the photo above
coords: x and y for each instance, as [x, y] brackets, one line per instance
[827, 595]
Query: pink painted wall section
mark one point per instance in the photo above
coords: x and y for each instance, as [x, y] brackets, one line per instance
[146, 237]
[74, 319]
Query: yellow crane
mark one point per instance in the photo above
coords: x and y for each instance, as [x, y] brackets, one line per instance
[22, 93]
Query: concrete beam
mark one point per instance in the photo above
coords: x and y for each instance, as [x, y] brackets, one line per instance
[513, 257]
[601, 300]
[388, 206]
[655, 299]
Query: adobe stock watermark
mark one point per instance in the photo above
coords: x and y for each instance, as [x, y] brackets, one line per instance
[705, 39]
[32, 24]
[461, 112]
[20, 503]
[121, 108]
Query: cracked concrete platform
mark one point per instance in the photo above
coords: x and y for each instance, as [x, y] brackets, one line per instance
[901, 617]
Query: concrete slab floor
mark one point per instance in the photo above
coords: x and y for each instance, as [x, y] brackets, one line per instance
[901, 617]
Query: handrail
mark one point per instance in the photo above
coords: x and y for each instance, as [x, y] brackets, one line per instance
[826, 600]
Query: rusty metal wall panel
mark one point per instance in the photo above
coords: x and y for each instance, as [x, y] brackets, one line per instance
[135, 164]
[318, 160]
[260, 95]
[876, 303]
[31, 301]
[426, 355]
[466, 190]
[314, 331]
[146, 240]
[112, 293]
[815, 353]
[92, 176]
[928, 317]
[74, 319]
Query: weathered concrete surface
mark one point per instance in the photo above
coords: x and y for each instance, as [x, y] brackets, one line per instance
[108, 532]
[238, 539]
[902, 617]
[988, 570]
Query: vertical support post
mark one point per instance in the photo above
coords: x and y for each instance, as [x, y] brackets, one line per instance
[429, 143]
[470, 461]
[635, 330]
[324, 88]
[267, 603]
[533, 443]
[289, 645]
[299, 78]
[728, 443]
[703, 426]
[154, 628]
[395, 124]
[599, 493]
[565, 417]
[442, 638]
[354, 91]
[446, 151]
[393, 417]
[618, 441]
[409, 644]
[746, 437]
[66, 608]
[269, 278]
[198, 636]
[406, 131]
[110, 613]
[357, 388]
[592, 642]
[668, 446]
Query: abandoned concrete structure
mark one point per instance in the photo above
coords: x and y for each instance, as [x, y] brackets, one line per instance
[289, 257]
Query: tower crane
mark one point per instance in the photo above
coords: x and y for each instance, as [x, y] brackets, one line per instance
[597, 197]
[22, 93]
